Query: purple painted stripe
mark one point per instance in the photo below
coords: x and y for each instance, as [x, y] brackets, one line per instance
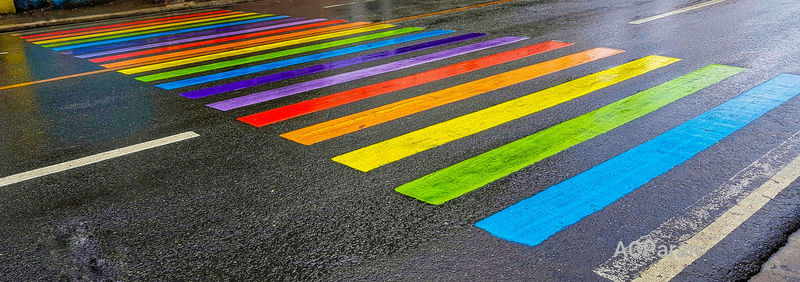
[325, 67]
[176, 36]
[148, 46]
[272, 94]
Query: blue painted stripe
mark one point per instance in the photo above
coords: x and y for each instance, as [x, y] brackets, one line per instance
[67, 47]
[533, 220]
[299, 60]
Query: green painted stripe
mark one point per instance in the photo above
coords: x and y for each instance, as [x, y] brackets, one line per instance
[262, 57]
[151, 31]
[447, 184]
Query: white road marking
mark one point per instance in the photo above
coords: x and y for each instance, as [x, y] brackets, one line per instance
[345, 4]
[678, 11]
[669, 266]
[28, 175]
[677, 230]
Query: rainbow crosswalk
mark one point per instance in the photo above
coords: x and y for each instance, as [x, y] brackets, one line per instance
[233, 56]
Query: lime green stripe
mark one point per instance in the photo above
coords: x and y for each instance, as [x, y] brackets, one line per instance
[273, 55]
[447, 184]
[151, 31]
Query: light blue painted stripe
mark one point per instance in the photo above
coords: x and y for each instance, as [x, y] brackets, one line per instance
[533, 220]
[67, 47]
[299, 60]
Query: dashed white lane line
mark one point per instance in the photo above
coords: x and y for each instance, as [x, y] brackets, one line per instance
[28, 175]
[345, 4]
[677, 230]
[669, 266]
[678, 11]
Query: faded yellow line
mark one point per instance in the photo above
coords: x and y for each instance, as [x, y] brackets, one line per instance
[670, 266]
[56, 79]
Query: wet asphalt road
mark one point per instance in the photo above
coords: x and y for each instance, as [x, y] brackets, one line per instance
[242, 202]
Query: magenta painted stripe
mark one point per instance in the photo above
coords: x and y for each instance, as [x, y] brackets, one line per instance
[272, 94]
[148, 46]
[175, 37]
[325, 67]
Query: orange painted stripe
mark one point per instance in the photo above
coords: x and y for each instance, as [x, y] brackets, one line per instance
[447, 11]
[121, 24]
[355, 122]
[235, 45]
[130, 27]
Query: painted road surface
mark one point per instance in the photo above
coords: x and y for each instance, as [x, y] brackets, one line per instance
[400, 140]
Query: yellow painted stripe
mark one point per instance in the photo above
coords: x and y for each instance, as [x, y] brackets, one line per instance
[403, 146]
[670, 266]
[7, 6]
[484, 119]
[397, 148]
[141, 29]
[251, 49]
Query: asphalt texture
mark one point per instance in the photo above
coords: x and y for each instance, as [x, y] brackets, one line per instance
[783, 265]
[240, 202]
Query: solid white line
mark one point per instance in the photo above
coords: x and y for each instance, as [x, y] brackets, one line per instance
[669, 266]
[678, 11]
[28, 175]
[345, 4]
[696, 217]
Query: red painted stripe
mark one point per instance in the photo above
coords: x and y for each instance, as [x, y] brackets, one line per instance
[349, 96]
[122, 24]
[212, 41]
